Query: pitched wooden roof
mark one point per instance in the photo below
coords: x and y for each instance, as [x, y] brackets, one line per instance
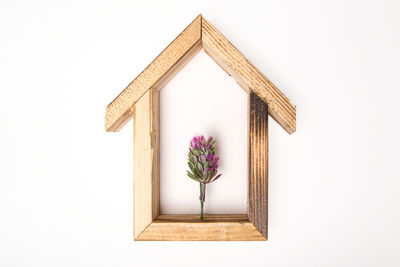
[200, 34]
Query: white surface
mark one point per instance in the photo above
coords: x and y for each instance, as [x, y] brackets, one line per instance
[66, 185]
[195, 102]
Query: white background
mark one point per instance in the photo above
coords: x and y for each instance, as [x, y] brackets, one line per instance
[203, 99]
[66, 185]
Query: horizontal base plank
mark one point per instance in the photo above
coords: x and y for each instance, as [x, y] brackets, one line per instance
[191, 228]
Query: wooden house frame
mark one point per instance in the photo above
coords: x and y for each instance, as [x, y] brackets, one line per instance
[140, 100]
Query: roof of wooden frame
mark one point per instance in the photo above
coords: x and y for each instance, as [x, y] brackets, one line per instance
[200, 34]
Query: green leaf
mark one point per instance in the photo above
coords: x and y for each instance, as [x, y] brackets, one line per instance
[212, 143]
[191, 176]
[199, 167]
[191, 165]
[197, 174]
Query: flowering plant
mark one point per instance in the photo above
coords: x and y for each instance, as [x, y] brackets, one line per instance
[203, 164]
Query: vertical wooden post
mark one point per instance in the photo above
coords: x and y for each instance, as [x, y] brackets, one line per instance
[146, 161]
[155, 130]
[258, 163]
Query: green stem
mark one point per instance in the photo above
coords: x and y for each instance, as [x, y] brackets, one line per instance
[202, 205]
[202, 189]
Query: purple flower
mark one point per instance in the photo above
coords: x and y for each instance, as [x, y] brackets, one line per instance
[202, 161]
[202, 140]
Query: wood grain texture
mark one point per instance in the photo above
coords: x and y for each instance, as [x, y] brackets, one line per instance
[247, 76]
[178, 66]
[146, 161]
[191, 228]
[207, 218]
[200, 33]
[258, 163]
[155, 136]
[118, 112]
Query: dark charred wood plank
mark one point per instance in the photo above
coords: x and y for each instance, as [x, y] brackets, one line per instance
[258, 163]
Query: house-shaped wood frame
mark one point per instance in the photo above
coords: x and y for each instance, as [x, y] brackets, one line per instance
[140, 100]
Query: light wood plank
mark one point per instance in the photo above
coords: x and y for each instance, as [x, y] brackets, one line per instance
[258, 163]
[247, 76]
[159, 85]
[191, 228]
[155, 134]
[118, 112]
[146, 161]
[207, 218]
